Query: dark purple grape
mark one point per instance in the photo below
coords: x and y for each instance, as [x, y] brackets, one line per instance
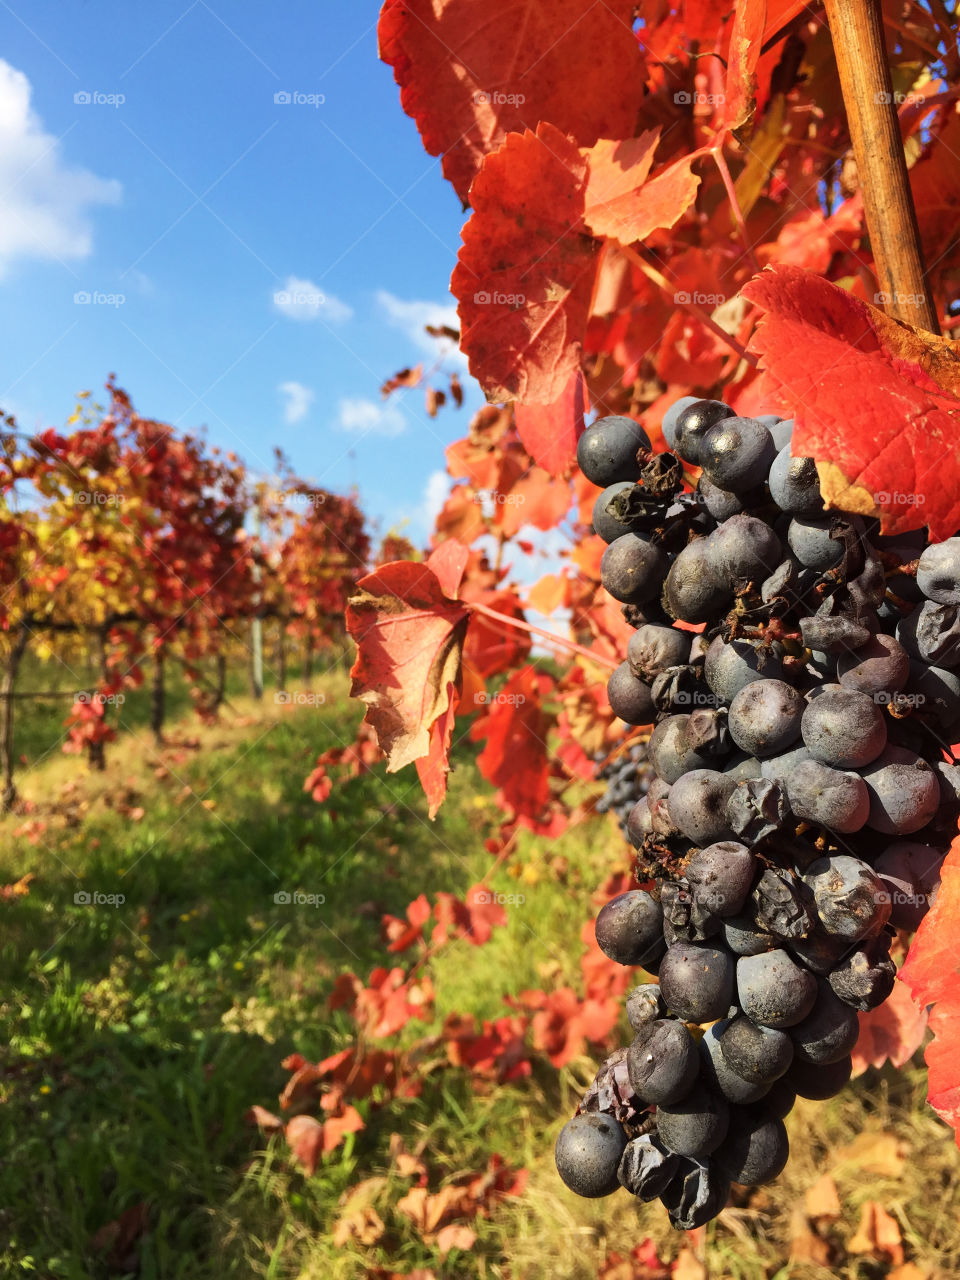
[756, 1149]
[644, 1005]
[828, 1032]
[698, 805]
[720, 503]
[795, 484]
[765, 717]
[757, 809]
[693, 423]
[833, 799]
[693, 592]
[851, 899]
[833, 634]
[632, 568]
[911, 872]
[720, 876]
[607, 450]
[736, 453]
[810, 542]
[881, 666]
[744, 938]
[697, 981]
[818, 1080]
[639, 823]
[730, 667]
[629, 697]
[629, 928]
[843, 728]
[938, 572]
[696, 1195]
[932, 634]
[744, 548]
[758, 1054]
[647, 1168]
[588, 1154]
[864, 978]
[670, 752]
[780, 904]
[668, 424]
[719, 1076]
[653, 649]
[903, 791]
[696, 1124]
[662, 1061]
[774, 991]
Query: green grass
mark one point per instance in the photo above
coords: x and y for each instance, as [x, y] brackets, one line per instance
[136, 1035]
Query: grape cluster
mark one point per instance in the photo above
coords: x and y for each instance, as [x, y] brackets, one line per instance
[803, 794]
[628, 774]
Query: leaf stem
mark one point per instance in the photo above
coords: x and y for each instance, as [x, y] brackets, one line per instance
[569, 645]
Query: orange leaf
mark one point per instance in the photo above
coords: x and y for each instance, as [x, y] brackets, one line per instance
[894, 1031]
[472, 71]
[932, 972]
[875, 399]
[305, 1136]
[524, 275]
[409, 630]
[877, 1234]
[549, 433]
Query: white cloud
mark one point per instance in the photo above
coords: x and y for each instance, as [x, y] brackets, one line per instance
[435, 494]
[45, 207]
[297, 400]
[412, 317]
[301, 299]
[367, 416]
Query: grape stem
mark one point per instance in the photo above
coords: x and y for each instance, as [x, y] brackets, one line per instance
[569, 645]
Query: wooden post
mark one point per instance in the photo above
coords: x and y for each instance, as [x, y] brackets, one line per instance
[857, 30]
[96, 751]
[9, 796]
[158, 697]
[282, 652]
[221, 685]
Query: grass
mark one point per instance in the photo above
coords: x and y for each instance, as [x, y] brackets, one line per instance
[136, 1034]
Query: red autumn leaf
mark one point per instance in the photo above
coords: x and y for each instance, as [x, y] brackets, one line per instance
[305, 1136]
[404, 933]
[549, 433]
[301, 1085]
[432, 769]
[876, 402]
[535, 498]
[336, 1128]
[563, 1023]
[618, 170]
[690, 352]
[472, 71]
[266, 1120]
[409, 630]
[932, 972]
[515, 755]
[892, 1032]
[746, 40]
[484, 911]
[525, 271]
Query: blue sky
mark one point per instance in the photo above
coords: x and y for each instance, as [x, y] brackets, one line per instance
[276, 260]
